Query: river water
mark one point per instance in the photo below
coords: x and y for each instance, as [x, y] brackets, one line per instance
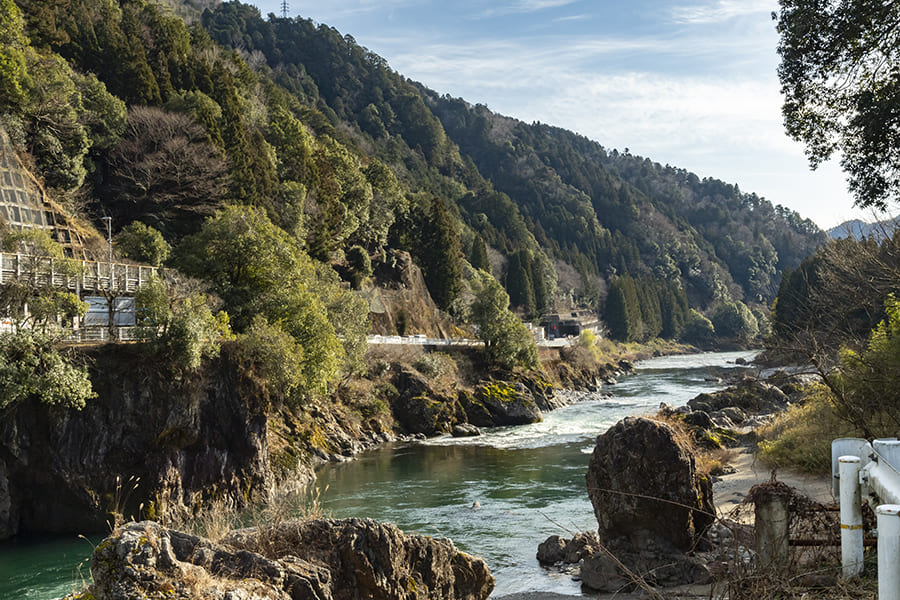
[527, 481]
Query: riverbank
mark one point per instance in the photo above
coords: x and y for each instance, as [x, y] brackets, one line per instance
[729, 491]
[521, 476]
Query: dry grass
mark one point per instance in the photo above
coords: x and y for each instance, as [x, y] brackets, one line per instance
[284, 504]
[800, 437]
[709, 461]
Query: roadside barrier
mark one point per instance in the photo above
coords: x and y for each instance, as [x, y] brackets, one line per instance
[863, 469]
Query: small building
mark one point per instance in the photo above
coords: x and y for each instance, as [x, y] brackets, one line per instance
[569, 324]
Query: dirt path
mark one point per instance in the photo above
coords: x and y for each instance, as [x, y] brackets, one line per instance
[731, 489]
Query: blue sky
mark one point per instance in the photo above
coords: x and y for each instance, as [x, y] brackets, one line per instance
[692, 84]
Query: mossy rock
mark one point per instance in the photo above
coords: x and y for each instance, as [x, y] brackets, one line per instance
[508, 404]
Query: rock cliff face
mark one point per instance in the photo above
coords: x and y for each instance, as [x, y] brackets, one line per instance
[352, 559]
[399, 303]
[171, 443]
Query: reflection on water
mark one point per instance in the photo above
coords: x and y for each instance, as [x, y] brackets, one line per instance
[528, 481]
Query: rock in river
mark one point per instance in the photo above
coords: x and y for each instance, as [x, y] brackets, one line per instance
[650, 504]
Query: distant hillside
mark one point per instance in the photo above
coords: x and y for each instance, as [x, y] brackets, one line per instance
[858, 229]
[169, 122]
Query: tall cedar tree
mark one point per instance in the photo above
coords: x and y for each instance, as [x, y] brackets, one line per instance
[617, 312]
[441, 255]
[478, 257]
[519, 284]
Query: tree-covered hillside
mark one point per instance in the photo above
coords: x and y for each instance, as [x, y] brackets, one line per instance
[126, 109]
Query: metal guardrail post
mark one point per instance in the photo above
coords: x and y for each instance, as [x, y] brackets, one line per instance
[845, 447]
[888, 551]
[851, 517]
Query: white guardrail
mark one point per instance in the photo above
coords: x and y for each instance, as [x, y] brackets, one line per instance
[421, 340]
[867, 469]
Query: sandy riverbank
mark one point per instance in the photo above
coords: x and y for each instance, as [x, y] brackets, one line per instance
[731, 489]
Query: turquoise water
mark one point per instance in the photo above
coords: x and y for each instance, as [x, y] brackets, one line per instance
[41, 568]
[528, 482]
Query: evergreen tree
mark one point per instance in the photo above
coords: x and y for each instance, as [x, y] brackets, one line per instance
[633, 308]
[441, 254]
[519, 284]
[617, 312]
[478, 256]
[673, 307]
[648, 301]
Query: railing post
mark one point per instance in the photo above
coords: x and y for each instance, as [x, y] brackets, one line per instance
[845, 447]
[888, 551]
[851, 517]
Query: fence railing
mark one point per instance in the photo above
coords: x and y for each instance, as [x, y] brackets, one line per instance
[93, 335]
[863, 469]
[75, 275]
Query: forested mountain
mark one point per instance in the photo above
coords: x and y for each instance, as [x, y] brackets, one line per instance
[126, 109]
[859, 229]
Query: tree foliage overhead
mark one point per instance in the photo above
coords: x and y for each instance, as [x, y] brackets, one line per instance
[840, 77]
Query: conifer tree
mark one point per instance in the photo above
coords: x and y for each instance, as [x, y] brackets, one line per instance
[478, 256]
[617, 312]
[441, 255]
[519, 284]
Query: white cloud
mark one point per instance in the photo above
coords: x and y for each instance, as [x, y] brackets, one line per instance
[525, 7]
[720, 11]
[583, 17]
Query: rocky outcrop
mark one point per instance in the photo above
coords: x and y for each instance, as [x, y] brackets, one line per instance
[152, 436]
[750, 395]
[353, 559]
[504, 403]
[651, 505]
[421, 406]
[399, 301]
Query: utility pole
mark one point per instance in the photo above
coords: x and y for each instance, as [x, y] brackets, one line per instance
[110, 298]
[285, 9]
[109, 242]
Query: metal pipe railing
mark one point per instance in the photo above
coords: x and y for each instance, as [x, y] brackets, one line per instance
[870, 469]
[851, 517]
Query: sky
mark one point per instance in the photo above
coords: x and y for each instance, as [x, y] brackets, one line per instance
[692, 84]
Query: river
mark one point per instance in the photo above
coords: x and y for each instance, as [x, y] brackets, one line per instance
[528, 482]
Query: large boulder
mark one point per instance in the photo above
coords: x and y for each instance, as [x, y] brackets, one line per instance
[352, 559]
[749, 395]
[651, 505]
[503, 403]
[642, 479]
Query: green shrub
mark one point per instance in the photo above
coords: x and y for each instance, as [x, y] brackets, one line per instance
[274, 356]
[32, 367]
